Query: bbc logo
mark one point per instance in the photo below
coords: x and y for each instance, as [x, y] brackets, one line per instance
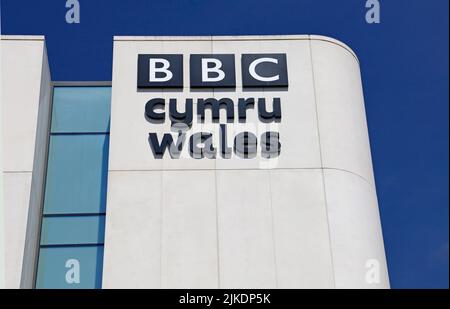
[212, 71]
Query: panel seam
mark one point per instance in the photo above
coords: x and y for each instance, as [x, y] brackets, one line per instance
[216, 197]
[244, 169]
[161, 230]
[321, 163]
[273, 229]
[272, 214]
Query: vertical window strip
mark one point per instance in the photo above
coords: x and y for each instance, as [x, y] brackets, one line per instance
[71, 244]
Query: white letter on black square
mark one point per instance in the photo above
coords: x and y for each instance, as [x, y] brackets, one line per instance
[160, 71]
[207, 71]
[264, 70]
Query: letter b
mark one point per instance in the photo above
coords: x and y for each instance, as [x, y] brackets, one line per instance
[209, 71]
[160, 71]
[154, 69]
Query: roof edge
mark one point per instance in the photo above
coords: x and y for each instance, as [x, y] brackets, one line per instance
[22, 37]
[313, 37]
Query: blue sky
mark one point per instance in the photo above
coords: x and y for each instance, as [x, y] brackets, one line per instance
[404, 62]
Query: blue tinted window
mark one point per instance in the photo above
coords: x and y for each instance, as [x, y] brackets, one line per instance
[81, 109]
[76, 267]
[73, 230]
[73, 223]
[77, 174]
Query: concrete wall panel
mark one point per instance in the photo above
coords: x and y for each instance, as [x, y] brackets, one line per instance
[16, 198]
[246, 244]
[301, 231]
[355, 230]
[25, 104]
[344, 137]
[189, 230]
[132, 256]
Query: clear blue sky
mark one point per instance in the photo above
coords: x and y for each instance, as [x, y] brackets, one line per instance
[404, 63]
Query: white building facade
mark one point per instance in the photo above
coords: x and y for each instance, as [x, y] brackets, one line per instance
[268, 182]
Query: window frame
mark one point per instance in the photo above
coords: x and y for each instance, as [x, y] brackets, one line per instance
[37, 239]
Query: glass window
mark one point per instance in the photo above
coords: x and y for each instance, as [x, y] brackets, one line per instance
[77, 174]
[81, 109]
[75, 267]
[73, 230]
[73, 223]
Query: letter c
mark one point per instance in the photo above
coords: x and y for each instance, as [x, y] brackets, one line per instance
[252, 70]
[150, 109]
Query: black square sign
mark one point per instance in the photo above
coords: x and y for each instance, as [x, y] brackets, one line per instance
[264, 70]
[216, 70]
[160, 71]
